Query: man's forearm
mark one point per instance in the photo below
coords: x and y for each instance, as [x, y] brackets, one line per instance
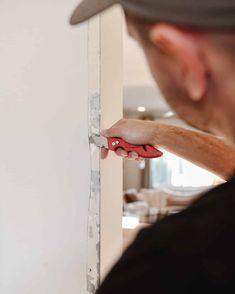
[204, 150]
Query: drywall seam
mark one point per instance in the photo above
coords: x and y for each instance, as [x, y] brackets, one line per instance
[111, 111]
[93, 227]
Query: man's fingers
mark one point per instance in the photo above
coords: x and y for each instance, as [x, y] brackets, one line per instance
[104, 153]
[121, 152]
[140, 158]
[133, 155]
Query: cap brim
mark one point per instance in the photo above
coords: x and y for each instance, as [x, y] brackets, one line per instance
[88, 8]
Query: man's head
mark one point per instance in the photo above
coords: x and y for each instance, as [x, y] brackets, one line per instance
[190, 48]
[195, 70]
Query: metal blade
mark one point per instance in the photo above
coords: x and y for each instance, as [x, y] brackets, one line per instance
[99, 141]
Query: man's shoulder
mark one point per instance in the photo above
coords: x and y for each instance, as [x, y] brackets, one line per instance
[185, 252]
[222, 194]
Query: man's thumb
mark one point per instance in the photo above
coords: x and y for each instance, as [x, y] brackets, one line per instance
[111, 132]
[107, 133]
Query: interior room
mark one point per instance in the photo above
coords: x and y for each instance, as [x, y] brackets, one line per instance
[69, 205]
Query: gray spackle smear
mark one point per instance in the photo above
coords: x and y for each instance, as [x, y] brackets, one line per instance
[91, 289]
[95, 181]
[98, 248]
[91, 235]
[93, 228]
[98, 254]
[94, 111]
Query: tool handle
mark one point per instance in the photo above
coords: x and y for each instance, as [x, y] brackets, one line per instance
[145, 151]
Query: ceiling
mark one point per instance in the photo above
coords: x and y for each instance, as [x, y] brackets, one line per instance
[146, 96]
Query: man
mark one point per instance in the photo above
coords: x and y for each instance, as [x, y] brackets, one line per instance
[190, 48]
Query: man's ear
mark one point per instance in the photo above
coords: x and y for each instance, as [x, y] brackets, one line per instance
[184, 48]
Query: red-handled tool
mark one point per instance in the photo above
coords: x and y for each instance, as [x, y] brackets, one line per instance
[144, 151]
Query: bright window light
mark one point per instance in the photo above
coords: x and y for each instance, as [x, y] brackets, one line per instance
[130, 222]
[141, 109]
[173, 171]
[168, 114]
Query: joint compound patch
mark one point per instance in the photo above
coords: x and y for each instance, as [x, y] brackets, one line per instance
[94, 104]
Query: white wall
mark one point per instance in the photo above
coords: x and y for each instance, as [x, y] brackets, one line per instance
[44, 155]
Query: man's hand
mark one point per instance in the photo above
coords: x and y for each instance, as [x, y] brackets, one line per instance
[134, 131]
[201, 149]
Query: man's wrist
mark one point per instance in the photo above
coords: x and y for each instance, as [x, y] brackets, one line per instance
[158, 134]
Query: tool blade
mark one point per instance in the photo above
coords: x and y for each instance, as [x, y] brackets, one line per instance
[99, 141]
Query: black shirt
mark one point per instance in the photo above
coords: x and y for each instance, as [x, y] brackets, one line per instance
[189, 252]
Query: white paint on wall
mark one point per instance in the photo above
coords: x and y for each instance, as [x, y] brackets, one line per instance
[44, 154]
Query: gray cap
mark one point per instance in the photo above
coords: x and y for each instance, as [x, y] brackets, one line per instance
[219, 14]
